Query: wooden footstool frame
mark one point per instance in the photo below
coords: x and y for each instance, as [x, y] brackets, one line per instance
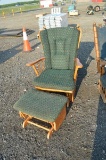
[49, 126]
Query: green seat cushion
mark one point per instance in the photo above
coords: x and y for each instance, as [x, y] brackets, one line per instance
[102, 41]
[55, 79]
[60, 47]
[103, 80]
[42, 105]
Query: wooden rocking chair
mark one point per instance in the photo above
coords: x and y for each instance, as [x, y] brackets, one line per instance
[100, 49]
[100, 46]
[59, 72]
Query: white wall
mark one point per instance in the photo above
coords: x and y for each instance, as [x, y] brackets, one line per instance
[45, 3]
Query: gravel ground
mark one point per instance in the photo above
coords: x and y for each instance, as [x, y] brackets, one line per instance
[82, 135]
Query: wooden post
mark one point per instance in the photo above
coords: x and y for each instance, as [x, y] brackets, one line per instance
[13, 12]
[21, 10]
[3, 14]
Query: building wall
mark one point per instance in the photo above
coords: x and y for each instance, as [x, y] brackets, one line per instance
[83, 0]
[46, 3]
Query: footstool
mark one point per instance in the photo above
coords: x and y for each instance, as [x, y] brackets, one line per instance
[42, 109]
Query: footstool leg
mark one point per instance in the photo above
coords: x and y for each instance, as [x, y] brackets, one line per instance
[22, 115]
[26, 121]
[50, 131]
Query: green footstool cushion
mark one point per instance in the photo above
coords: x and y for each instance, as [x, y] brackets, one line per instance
[42, 105]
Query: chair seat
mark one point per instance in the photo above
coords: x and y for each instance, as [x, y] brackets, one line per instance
[56, 79]
[103, 80]
[41, 105]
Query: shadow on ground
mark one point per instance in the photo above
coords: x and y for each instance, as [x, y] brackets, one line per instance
[7, 54]
[14, 32]
[85, 58]
[99, 146]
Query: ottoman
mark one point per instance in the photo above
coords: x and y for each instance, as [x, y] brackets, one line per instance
[42, 109]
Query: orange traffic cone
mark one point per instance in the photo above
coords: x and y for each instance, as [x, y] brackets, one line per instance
[26, 46]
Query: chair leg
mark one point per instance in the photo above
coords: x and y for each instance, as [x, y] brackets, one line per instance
[71, 96]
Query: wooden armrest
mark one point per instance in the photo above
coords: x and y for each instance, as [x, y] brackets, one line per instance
[77, 66]
[35, 65]
[34, 62]
[78, 63]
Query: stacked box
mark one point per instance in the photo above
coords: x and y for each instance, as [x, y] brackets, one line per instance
[53, 21]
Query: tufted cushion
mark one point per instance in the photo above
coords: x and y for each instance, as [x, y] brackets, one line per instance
[102, 41]
[46, 48]
[41, 105]
[60, 47]
[60, 61]
[55, 79]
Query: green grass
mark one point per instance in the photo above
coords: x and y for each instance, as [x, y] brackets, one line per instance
[15, 9]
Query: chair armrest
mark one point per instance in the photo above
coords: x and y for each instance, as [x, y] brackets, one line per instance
[78, 63]
[80, 35]
[77, 66]
[37, 65]
[34, 62]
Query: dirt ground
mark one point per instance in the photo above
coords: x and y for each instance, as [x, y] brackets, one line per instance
[82, 136]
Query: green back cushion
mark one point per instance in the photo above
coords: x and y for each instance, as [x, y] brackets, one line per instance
[102, 41]
[60, 46]
[46, 48]
[103, 80]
